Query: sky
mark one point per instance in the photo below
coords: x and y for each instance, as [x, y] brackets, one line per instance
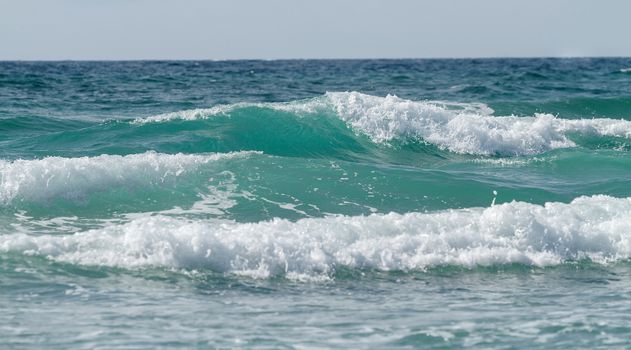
[277, 29]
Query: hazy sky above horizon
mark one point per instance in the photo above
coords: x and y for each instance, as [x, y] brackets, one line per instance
[234, 29]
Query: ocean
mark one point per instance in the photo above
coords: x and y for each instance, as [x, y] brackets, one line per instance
[445, 203]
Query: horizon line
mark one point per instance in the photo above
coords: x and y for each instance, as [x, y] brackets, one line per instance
[305, 59]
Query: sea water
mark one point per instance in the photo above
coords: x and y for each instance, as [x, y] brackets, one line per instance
[316, 204]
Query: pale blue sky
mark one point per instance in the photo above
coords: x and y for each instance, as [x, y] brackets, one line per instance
[232, 29]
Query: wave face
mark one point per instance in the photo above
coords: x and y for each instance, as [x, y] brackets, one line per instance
[594, 228]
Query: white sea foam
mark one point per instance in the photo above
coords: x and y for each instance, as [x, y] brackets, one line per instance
[468, 128]
[52, 177]
[597, 228]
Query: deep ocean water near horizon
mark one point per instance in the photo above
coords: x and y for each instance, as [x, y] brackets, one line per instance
[316, 204]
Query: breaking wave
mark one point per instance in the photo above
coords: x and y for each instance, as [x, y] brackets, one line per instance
[466, 128]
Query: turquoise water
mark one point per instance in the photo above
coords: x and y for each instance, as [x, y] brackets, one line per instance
[316, 203]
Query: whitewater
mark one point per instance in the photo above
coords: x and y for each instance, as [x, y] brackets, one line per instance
[594, 228]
